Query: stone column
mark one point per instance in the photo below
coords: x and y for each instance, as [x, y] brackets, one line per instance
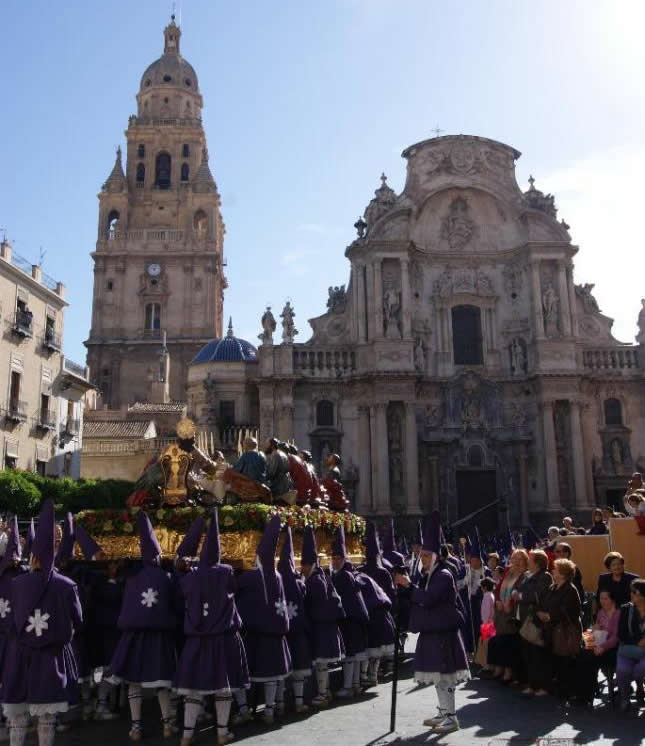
[524, 484]
[383, 465]
[406, 301]
[369, 320]
[374, 457]
[412, 458]
[360, 303]
[550, 456]
[364, 503]
[538, 316]
[434, 481]
[378, 300]
[572, 299]
[578, 453]
[563, 292]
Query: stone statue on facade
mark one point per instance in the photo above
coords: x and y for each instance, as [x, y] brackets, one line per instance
[550, 304]
[268, 326]
[419, 356]
[391, 308]
[518, 357]
[589, 303]
[457, 227]
[617, 455]
[289, 330]
[336, 300]
[641, 324]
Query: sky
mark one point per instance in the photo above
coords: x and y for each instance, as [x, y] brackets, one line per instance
[306, 103]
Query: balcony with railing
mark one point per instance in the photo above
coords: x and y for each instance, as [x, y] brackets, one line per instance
[72, 427]
[16, 411]
[23, 323]
[74, 380]
[32, 270]
[166, 121]
[52, 341]
[611, 358]
[46, 420]
[323, 362]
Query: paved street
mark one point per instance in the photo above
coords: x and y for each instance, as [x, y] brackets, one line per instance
[489, 714]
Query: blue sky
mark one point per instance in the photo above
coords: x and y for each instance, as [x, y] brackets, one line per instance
[305, 104]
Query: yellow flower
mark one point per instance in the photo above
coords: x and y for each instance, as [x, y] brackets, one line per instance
[160, 514]
[108, 526]
[228, 521]
[128, 527]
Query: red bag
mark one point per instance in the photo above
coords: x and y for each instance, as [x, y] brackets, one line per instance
[488, 630]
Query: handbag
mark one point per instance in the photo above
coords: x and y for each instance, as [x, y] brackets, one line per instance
[565, 639]
[530, 631]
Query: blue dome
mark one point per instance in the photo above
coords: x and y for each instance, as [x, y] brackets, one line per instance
[229, 349]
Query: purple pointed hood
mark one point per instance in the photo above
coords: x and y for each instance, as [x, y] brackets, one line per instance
[88, 545]
[190, 543]
[476, 550]
[389, 546]
[265, 560]
[150, 549]
[29, 539]
[12, 551]
[309, 548]
[66, 548]
[339, 548]
[211, 551]
[34, 584]
[372, 545]
[432, 533]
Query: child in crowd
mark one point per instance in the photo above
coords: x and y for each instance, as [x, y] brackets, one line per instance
[487, 615]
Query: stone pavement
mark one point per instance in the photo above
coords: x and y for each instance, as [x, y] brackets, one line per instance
[490, 714]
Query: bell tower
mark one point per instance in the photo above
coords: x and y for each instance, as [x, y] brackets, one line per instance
[158, 263]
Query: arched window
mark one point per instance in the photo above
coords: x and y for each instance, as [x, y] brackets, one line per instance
[153, 317]
[185, 172]
[141, 173]
[200, 224]
[141, 151]
[475, 456]
[163, 164]
[325, 413]
[185, 152]
[113, 223]
[467, 335]
[613, 412]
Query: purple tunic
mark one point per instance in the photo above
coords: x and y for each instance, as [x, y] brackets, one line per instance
[440, 653]
[213, 657]
[299, 632]
[324, 610]
[145, 653]
[6, 610]
[381, 575]
[380, 630]
[353, 627]
[105, 607]
[265, 627]
[39, 667]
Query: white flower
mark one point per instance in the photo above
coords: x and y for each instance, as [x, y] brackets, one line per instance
[5, 607]
[37, 623]
[149, 598]
[281, 608]
[292, 610]
[205, 609]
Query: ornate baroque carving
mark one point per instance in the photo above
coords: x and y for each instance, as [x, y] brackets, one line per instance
[457, 227]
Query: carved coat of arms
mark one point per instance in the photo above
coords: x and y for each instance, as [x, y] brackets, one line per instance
[457, 227]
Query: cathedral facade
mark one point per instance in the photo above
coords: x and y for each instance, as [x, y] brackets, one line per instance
[158, 263]
[462, 368]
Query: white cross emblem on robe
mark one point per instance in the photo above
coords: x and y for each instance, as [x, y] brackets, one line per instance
[37, 623]
[5, 607]
[205, 608]
[149, 598]
[292, 610]
[281, 608]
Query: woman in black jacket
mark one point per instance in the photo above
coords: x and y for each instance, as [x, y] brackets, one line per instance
[561, 612]
[630, 661]
[531, 593]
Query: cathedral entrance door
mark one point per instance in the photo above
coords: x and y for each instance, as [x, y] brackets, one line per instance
[475, 489]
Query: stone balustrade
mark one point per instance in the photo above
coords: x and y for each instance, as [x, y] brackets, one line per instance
[165, 236]
[99, 447]
[611, 358]
[323, 362]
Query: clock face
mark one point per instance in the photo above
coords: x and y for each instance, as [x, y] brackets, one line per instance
[154, 270]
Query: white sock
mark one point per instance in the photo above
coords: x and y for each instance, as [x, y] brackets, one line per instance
[348, 674]
[163, 695]
[279, 694]
[322, 679]
[192, 708]
[446, 697]
[270, 688]
[373, 668]
[223, 711]
[18, 729]
[240, 698]
[135, 696]
[364, 665]
[357, 673]
[46, 729]
[298, 689]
